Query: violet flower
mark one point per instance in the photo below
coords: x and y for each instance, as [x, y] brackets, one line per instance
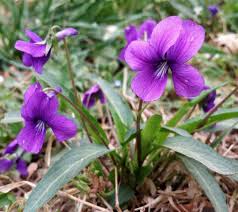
[209, 102]
[40, 112]
[35, 51]
[6, 164]
[92, 95]
[173, 42]
[132, 33]
[213, 9]
[67, 32]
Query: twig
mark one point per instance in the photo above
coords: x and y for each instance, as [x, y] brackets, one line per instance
[150, 204]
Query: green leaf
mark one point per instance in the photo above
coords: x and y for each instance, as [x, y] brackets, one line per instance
[61, 172]
[203, 153]
[6, 199]
[184, 109]
[12, 117]
[121, 108]
[177, 131]
[207, 183]
[220, 115]
[148, 134]
[120, 127]
[125, 194]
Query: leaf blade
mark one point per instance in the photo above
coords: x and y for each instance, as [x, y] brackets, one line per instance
[61, 172]
[202, 153]
[207, 183]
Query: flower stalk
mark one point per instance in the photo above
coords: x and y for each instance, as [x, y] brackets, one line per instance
[138, 133]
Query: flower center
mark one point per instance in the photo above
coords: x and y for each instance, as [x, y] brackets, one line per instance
[161, 69]
[40, 126]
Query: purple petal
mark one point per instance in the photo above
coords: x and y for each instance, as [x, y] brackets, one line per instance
[213, 9]
[189, 42]
[35, 87]
[147, 28]
[27, 59]
[39, 106]
[165, 34]
[67, 32]
[148, 86]
[122, 53]
[140, 55]
[102, 97]
[209, 102]
[22, 167]
[34, 38]
[5, 165]
[63, 128]
[39, 62]
[33, 49]
[88, 100]
[11, 148]
[31, 137]
[131, 33]
[188, 82]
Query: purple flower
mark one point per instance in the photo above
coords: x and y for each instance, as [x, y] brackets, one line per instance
[132, 34]
[173, 42]
[11, 148]
[209, 102]
[90, 96]
[213, 9]
[67, 32]
[7, 164]
[40, 112]
[34, 51]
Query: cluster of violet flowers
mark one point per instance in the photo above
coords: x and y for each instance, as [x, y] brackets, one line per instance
[152, 50]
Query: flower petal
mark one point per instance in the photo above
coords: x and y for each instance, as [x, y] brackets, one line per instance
[188, 82]
[67, 32]
[147, 27]
[5, 165]
[189, 42]
[63, 127]
[88, 100]
[147, 86]
[33, 49]
[140, 55]
[34, 38]
[39, 62]
[11, 148]
[165, 34]
[22, 167]
[40, 106]
[27, 59]
[131, 33]
[31, 138]
[35, 87]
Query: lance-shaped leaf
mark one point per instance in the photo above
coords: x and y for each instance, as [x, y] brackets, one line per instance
[207, 182]
[220, 115]
[203, 153]
[61, 172]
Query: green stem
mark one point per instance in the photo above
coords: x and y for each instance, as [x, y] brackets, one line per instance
[71, 73]
[138, 134]
[71, 76]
